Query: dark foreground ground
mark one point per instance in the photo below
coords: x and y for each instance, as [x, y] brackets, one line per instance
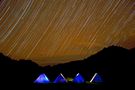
[67, 86]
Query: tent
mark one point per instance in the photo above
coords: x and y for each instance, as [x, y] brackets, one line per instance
[42, 79]
[78, 79]
[60, 79]
[96, 78]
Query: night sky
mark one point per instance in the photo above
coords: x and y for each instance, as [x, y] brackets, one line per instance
[58, 31]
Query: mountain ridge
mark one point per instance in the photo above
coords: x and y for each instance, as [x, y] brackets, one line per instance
[112, 64]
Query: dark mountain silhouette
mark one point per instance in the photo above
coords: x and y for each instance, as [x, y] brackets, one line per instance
[114, 64]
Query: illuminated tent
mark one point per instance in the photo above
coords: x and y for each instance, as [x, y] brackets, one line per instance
[96, 79]
[60, 79]
[42, 79]
[78, 79]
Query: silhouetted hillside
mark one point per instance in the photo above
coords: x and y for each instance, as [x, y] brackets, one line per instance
[16, 73]
[114, 64]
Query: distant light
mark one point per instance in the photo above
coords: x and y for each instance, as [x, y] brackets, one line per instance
[60, 79]
[42, 79]
[78, 79]
[69, 79]
[96, 78]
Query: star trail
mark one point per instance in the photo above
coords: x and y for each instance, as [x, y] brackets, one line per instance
[58, 31]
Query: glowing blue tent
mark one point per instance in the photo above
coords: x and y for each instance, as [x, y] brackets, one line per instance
[42, 79]
[78, 79]
[60, 79]
[96, 79]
